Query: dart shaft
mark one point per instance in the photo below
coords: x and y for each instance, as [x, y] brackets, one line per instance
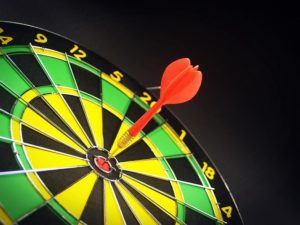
[144, 119]
[128, 136]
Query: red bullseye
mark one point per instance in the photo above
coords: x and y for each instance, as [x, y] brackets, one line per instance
[103, 164]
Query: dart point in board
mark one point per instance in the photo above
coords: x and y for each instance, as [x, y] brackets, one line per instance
[180, 83]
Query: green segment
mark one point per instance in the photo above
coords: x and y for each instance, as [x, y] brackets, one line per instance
[157, 117]
[46, 90]
[17, 49]
[164, 142]
[12, 78]
[20, 196]
[84, 65]
[181, 212]
[201, 202]
[58, 70]
[114, 97]
[5, 126]
[19, 109]
[62, 212]
[196, 166]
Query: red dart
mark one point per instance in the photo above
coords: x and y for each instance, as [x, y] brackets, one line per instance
[180, 83]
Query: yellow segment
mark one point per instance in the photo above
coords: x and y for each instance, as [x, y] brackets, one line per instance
[140, 212]
[29, 95]
[75, 197]
[16, 130]
[150, 167]
[94, 117]
[125, 90]
[39, 123]
[42, 159]
[115, 150]
[39, 186]
[69, 91]
[48, 52]
[165, 203]
[216, 208]
[112, 212]
[58, 104]
[177, 193]
[4, 218]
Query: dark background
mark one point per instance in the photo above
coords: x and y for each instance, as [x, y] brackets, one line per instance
[245, 113]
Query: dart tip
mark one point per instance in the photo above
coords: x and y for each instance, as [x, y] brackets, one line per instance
[125, 140]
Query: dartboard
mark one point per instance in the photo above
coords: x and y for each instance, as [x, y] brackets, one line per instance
[63, 109]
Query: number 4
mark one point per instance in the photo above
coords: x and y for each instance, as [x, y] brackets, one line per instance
[227, 210]
[4, 40]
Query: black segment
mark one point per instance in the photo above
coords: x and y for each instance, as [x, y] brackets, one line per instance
[159, 184]
[198, 151]
[194, 218]
[34, 72]
[58, 180]
[183, 170]
[137, 151]
[87, 81]
[76, 107]
[93, 213]
[32, 137]
[135, 111]
[111, 125]
[45, 109]
[160, 215]
[8, 162]
[45, 214]
[7, 100]
[126, 211]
